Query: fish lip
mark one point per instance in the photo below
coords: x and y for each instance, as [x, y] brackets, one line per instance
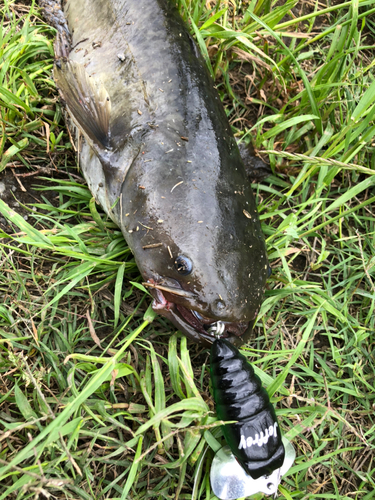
[191, 322]
[235, 328]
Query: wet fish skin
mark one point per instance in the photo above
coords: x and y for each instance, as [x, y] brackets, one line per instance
[158, 154]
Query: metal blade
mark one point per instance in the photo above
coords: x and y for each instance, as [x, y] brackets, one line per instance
[229, 480]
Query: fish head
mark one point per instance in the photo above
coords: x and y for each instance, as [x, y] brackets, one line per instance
[197, 240]
[205, 278]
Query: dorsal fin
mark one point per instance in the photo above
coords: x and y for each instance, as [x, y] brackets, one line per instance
[87, 101]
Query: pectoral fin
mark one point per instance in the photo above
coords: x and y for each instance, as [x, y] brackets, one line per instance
[87, 100]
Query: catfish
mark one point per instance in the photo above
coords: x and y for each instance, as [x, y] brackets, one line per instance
[158, 154]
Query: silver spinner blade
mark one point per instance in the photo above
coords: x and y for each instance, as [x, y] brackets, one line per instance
[229, 480]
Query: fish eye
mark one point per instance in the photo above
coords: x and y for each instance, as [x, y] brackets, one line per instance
[183, 265]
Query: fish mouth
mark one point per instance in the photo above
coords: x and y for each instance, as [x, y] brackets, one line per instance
[170, 302]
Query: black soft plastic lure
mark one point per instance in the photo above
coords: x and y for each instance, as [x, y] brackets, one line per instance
[255, 439]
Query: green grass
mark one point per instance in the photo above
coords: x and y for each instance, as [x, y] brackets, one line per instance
[29, 117]
[100, 399]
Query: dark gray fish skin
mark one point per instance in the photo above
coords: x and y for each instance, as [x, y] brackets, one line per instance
[158, 154]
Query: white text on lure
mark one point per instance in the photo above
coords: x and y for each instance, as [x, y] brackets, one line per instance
[259, 440]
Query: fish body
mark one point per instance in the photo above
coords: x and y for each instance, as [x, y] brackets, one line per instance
[157, 151]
